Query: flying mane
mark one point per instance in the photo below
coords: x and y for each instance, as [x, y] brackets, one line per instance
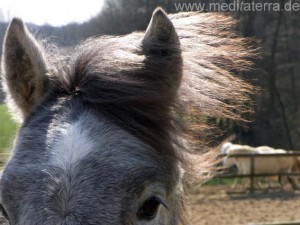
[120, 77]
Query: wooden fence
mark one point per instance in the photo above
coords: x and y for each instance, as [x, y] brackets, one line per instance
[252, 174]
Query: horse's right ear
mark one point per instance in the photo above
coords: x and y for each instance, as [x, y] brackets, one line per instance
[24, 68]
[160, 37]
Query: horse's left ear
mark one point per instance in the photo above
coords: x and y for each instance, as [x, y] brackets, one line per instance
[24, 68]
[160, 37]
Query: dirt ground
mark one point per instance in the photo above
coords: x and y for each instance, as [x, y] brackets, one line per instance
[222, 206]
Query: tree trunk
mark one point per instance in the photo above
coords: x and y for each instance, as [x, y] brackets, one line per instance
[274, 92]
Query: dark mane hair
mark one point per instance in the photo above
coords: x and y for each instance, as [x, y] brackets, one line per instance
[133, 87]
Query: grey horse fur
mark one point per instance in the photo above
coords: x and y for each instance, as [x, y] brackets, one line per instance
[104, 128]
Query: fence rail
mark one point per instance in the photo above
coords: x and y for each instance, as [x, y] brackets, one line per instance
[252, 174]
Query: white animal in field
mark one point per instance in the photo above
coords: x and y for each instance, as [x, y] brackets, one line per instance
[263, 165]
[229, 147]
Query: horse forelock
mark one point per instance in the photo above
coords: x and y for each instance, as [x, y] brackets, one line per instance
[134, 90]
[149, 95]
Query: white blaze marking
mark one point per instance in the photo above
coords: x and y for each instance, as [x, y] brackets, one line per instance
[73, 144]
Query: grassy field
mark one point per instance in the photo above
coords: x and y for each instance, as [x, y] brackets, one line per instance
[8, 129]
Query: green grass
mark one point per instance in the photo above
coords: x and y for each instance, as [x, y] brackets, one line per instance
[8, 129]
[218, 181]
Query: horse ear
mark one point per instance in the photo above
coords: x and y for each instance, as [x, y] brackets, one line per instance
[23, 67]
[161, 37]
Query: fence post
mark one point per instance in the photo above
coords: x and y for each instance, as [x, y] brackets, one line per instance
[252, 172]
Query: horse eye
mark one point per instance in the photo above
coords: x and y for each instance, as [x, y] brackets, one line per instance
[149, 209]
[3, 212]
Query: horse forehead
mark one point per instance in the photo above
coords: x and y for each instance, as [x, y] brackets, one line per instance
[87, 159]
[90, 158]
[88, 136]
